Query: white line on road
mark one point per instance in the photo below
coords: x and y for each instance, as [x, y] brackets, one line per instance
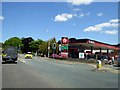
[21, 60]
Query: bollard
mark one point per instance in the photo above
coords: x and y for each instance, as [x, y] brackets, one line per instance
[99, 64]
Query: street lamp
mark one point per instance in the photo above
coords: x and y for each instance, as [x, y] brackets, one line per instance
[48, 47]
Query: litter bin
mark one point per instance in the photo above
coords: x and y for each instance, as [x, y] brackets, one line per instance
[99, 64]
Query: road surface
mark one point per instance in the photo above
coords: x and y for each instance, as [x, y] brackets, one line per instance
[41, 73]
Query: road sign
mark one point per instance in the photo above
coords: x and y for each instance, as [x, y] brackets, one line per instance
[64, 47]
[81, 55]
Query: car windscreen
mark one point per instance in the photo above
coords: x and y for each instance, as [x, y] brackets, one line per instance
[10, 51]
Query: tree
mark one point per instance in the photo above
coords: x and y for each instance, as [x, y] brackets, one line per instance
[34, 45]
[43, 48]
[14, 41]
[26, 44]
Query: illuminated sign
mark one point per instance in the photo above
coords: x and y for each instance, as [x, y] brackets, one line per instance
[65, 40]
[64, 47]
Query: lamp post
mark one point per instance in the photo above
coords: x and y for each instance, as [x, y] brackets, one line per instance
[48, 47]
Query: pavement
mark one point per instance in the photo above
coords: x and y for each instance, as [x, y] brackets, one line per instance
[110, 68]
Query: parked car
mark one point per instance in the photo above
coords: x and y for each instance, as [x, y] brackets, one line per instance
[28, 55]
[9, 54]
[55, 56]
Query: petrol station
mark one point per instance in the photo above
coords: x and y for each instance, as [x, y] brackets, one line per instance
[87, 48]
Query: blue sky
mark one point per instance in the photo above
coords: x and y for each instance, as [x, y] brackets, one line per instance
[45, 20]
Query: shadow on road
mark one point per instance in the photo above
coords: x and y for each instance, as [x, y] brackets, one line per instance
[9, 62]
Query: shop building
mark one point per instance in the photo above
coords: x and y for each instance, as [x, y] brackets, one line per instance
[91, 49]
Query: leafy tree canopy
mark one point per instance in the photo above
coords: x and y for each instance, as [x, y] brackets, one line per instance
[34, 45]
[14, 41]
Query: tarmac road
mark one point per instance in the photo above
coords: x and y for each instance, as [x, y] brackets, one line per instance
[41, 73]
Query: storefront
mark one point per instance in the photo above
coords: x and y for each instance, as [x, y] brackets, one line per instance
[91, 49]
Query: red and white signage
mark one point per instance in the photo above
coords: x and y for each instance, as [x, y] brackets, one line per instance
[64, 54]
[65, 40]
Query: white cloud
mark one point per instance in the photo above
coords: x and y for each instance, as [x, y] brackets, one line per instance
[106, 24]
[100, 14]
[1, 18]
[79, 2]
[81, 15]
[63, 17]
[113, 23]
[92, 28]
[76, 9]
[113, 32]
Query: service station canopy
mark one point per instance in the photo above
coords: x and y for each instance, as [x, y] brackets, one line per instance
[87, 43]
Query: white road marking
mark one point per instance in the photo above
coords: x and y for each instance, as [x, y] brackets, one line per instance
[21, 60]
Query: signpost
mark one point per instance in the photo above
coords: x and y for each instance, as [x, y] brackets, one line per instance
[54, 48]
[64, 47]
[60, 47]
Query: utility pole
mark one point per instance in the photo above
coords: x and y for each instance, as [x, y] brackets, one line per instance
[48, 47]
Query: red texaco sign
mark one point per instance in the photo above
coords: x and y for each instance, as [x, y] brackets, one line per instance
[65, 40]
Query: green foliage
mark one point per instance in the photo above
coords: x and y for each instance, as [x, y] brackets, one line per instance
[14, 41]
[29, 44]
[35, 45]
[26, 44]
[43, 48]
